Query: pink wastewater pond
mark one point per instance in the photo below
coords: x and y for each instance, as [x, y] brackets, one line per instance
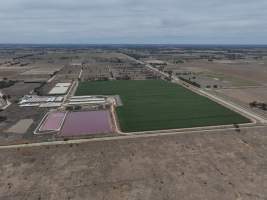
[86, 123]
[53, 121]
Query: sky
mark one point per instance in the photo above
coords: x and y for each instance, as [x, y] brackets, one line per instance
[133, 21]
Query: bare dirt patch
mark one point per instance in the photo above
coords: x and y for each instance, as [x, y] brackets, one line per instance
[21, 126]
[254, 72]
[246, 95]
[225, 165]
[12, 72]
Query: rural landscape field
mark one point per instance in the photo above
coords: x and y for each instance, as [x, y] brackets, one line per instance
[154, 105]
[133, 100]
[133, 122]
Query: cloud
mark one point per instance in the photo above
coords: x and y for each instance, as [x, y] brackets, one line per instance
[133, 21]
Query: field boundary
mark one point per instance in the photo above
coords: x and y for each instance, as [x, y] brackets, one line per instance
[201, 128]
[144, 100]
[121, 137]
[36, 131]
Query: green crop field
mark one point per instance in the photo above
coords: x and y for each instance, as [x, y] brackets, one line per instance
[157, 105]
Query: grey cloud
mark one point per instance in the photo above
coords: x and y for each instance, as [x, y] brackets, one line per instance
[137, 21]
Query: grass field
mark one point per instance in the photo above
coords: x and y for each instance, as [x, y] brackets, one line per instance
[157, 105]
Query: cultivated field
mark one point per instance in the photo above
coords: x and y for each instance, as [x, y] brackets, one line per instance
[158, 105]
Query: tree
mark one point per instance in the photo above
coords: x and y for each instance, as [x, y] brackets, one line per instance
[264, 106]
[77, 107]
[253, 104]
[69, 108]
[237, 128]
[4, 97]
[3, 118]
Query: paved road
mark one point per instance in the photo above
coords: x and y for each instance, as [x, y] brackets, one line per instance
[235, 107]
[52, 78]
[81, 73]
[128, 136]
[71, 91]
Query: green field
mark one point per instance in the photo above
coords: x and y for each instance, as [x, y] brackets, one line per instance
[157, 105]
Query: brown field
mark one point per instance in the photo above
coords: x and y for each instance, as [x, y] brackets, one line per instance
[21, 126]
[216, 165]
[251, 72]
[246, 95]
[19, 89]
[12, 72]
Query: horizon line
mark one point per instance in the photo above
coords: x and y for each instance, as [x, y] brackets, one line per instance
[156, 44]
